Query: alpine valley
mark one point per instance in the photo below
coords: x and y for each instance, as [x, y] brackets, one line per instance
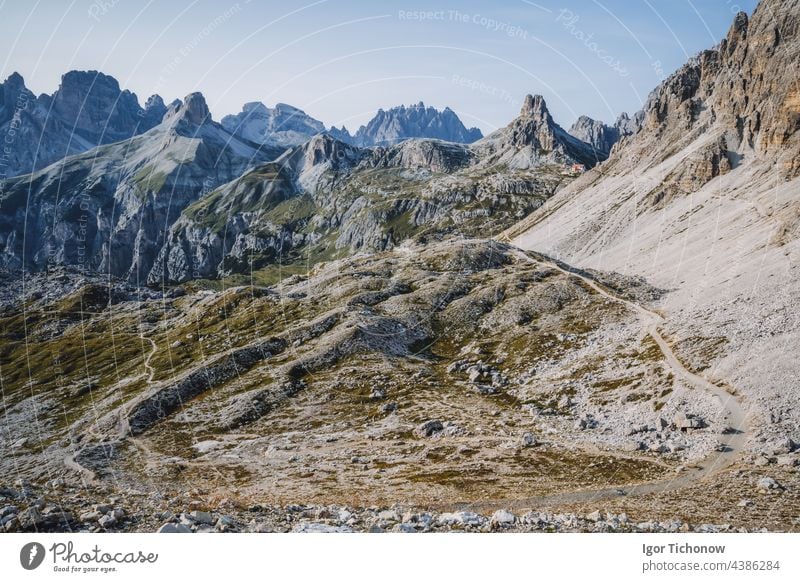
[266, 324]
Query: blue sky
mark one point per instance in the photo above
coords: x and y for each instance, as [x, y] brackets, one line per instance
[341, 60]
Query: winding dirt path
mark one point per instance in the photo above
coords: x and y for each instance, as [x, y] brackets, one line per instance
[87, 475]
[731, 441]
[153, 350]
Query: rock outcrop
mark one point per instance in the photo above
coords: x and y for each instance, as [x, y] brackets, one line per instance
[534, 138]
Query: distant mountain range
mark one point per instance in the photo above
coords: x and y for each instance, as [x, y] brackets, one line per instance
[89, 109]
[164, 193]
[400, 123]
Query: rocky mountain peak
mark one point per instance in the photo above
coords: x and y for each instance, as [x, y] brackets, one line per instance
[155, 102]
[283, 125]
[535, 106]
[88, 109]
[392, 126]
[737, 34]
[14, 81]
[93, 104]
[10, 91]
[603, 137]
[596, 133]
[534, 138]
[82, 82]
[194, 109]
[324, 148]
[256, 107]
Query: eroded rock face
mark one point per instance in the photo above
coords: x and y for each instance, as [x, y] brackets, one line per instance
[704, 195]
[330, 198]
[742, 86]
[110, 213]
[87, 110]
[93, 104]
[416, 121]
[603, 137]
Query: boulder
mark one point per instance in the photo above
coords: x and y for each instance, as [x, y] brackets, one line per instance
[430, 428]
[768, 484]
[30, 518]
[174, 528]
[203, 517]
[684, 421]
[503, 518]
[107, 521]
[460, 518]
[529, 440]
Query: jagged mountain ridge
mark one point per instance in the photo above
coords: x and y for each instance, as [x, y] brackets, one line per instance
[289, 126]
[415, 121]
[282, 125]
[88, 109]
[324, 197]
[604, 137]
[327, 198]
[107, 209]
[534, 137]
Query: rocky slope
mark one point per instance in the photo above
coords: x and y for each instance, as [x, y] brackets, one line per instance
[282, 125]
[390, 127]
[702, 200]
[107, 210]
[87, 110]
[440, 374]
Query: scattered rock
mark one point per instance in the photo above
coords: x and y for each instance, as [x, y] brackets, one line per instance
[782, 446]
[107, 521]
[503, 518]
[30, 518]
[467, 518]
[430, 428]
[203, 517]
[320, 528]
[768, 484]
[595, 516]
[637, 429]
[9, 510]
[684, 421]
[388, 515]
[204, 447]
[90, 516]
[174, 528]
